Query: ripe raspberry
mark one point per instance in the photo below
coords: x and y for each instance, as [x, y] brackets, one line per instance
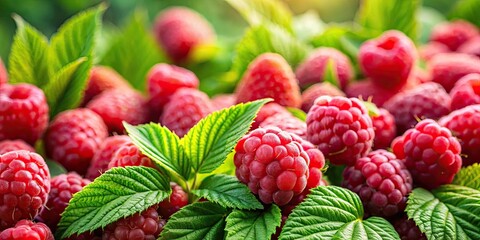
[62, 188]
[27, 230]
[447, 68]
[104, 154]
[24, 186]
[313, 68]
[407, 229]
[117, 105]
[429, 50]
[385, 130]
[177, 200]
[367, 90]
[23, 112]
[288, 123]
[185, 108]
[179, 30]
[269, 76]
[430, 153]
[222, 101]
[3, 73]
[453, 34]
[466, 91]
[471, 47]
[381, 181]
[146, 225]
[341, 129]
[317, 163]
[73, 137]
[388, 60]
[103, 78]
[419, 76]
[317, 90]
[428, 100]
[268, 110]
[129, 155]
[273, 165]
[14, 145]
[163, 81]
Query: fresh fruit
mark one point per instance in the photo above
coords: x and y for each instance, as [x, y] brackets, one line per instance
[178, 199]
[129, 155]
[73, 137]
[222, 101]
[367, 90]
[272, 164]
[27, 230]
[317, 90]
[268, 110]
[385, 129]
[341, 129]
[317, 163]
[269, 76]
[447, 68]
[312, 70]
[407, 229]
[471, 47]
[103, 78]
[388, 59]
[23, 112]
[430, 152]
[466, 91]
[288, 123]
[103, 155]
[429, 50]
[24, 186]
[453, 34]
[3, 73]
[13, 145]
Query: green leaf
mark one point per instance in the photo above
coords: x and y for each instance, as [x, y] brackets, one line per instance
[468, 177]
[243, 224]
[28, 57]
[334, 174]
[448, 212]
[209, 142]
[55, 168]
[200, 220]
[334, 213]
[298, 113]
[308, 25]
[466, 9]
[330, 73]
[118, 193]
[228, 192]
[162, 146]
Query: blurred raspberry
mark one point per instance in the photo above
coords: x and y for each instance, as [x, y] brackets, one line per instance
[447, 68]
[453, 34]
[103, 78]
[268, 110]
[14, 145]
[367, 90]
[317, 90]
[385, 130]
[466, 91]
[3, 73]
[472, 47]
[431, 49]
[177, 200]
[419, 76]
[27, 230]
[104, 154]
[222, 101]
[129, 155]
[287, 123]
[407, 229]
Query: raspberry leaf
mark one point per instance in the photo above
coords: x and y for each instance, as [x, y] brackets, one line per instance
[308, 24]
[261, 224]
[200, 220]
[330, 73]
[469, 177]
[228, 192]
[334, 213]
[55, 168]
[118, 193]
[448, 212]
[466, 10]
[298, 113]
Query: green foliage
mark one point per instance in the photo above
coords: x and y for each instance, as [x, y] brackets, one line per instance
[243, 224]
[466, 9]
[55, 168]
[469, 177]
[298, 113]
[334, 174]
[330, 74]
[308, 25]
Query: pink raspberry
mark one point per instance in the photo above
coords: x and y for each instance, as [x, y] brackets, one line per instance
[317, 90]
[27, 230]
[268, 110]
[3, 73]
[13, 145]
[447, 68]
[453, 34]
[103, 78]
[407, 229]
[177, 200]
[288, 123]
[222, 101]
[466, 91]
[129, 155]
[429, 50]
[104, 154]
[385, 130]
[368, 91]
[471, 47]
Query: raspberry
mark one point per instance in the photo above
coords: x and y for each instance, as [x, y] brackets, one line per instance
[388, 60]
[13, 145]
[273, 164]
[62, 188]
[367, 90]
[381, 181]
[177, 200]
[3, 73]
[27, 230]
[146, 225]
[24, 186]
[453, 34]
[129, 155]
[85, 236]
[268, 110]
[73, 137]
[23, 112]
[447, 68]
[222, 101]
[464, 125]
[317, 163]
[419, 76]
[163, 81]
[466, 91]
[428, 100]
[104, 154]
[341, 129]
[430, 153]
[269, 76]
[103, 78]
[407, 229]
[186, 107]
[179, 30]
[317, 90]
[429, 50]
[288, 123]
[385, 130]
[312, 69]
[471, 47]
[117, 105]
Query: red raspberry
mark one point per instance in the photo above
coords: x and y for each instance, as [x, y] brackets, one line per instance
[117, 105]
[103, 78]
[288, 123]
[419, 76]
[453, 34]
[313, 68]
[73, 137]
[163, 81]
[104, 154]
[24, 186]
[177, 200]
[382, 182]
[388, 60]
[341, 128]
[385, 130]
[428, 100]
[129, 155]
[179, 30]
[317, 163]
[269, 76]
[273, 165]
[146, 225]
[430, 152]
[429, 50]
[317, 90]
[466, 91]
[222, 101]
[23, 112]
[14, 145]
[407, 229]
[27, 230]
[471, 47]
[3, 73]
[447, 68]
[268, 110]
[62, 188]
[185, 108]
[367, 90]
